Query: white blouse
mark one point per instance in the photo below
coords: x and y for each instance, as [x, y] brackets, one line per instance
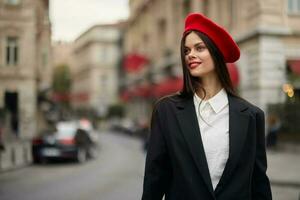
[214, 128]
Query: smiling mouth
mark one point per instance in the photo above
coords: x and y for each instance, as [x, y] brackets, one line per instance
[194, 65]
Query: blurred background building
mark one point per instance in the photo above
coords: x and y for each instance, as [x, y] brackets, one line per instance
[267, 32]
[96, 55]
[62, 53]
[25, 70]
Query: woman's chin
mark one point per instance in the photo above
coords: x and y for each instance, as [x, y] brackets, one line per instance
[195, 72]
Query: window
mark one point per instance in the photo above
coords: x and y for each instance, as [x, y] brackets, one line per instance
[12, 51]
[293, 7]
[104, 81]
[233, 13]
[162, 32]
[44, 58]
[12, 2]
[186, 7]
[104, 54]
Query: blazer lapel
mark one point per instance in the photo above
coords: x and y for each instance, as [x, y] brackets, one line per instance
[187, 119]
[238, 127]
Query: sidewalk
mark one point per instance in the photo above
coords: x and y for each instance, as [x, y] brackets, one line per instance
[17, 153]
[284, 166]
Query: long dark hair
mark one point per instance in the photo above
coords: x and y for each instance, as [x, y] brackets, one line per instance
[192, 84]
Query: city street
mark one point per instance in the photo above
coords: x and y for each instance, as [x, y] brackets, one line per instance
[283, 171]
[69, 69]
[116, 174]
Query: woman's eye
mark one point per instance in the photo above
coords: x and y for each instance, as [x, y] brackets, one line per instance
[186, 51]
[201, 48]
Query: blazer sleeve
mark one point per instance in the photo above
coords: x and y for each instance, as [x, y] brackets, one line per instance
[261, 189]
[158, 169]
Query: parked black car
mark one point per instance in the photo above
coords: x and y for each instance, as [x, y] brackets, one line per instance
[75, 140]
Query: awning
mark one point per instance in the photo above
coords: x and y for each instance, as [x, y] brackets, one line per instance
[61, 97]
[233, 73]
[142, 91]
[125, 95]
[168, 86]
[294, 65]
[80, 97]
[65, 97]
[134, 62]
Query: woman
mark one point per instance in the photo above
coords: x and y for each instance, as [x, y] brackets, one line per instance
[206, 142]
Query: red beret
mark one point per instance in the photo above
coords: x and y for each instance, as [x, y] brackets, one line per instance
[221, 38]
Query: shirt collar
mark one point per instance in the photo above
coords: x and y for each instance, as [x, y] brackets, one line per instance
[217, 102]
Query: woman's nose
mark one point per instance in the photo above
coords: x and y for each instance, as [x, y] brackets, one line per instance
[191, 54]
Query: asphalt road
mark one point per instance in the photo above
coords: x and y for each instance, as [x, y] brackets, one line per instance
[116, 174]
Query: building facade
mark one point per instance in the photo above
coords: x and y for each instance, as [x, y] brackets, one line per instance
[62, 53]
[25, 66]
[267, 32]
[96, 56]
[25, 58]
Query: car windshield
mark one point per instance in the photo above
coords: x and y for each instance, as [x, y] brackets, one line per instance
[66, 129]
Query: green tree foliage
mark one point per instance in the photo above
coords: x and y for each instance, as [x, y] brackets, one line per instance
[62, 79]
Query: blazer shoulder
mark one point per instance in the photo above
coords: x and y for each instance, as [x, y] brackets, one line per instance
[253, 108]
[167, 101]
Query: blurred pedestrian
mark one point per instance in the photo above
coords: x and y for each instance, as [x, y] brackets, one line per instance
[14, 123]
[274, 125]
[2, 124]
[206, 142]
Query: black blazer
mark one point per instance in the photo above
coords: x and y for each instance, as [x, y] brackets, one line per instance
[176, 165]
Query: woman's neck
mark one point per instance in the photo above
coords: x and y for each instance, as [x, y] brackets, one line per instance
[211, 85]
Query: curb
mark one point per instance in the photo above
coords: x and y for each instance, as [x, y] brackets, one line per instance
[14, 168]
[285, 184]
[17, 154]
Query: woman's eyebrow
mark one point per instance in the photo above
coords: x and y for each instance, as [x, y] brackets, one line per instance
[197, 44]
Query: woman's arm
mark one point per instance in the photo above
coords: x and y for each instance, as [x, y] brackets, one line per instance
[261, 189]
[158, 169]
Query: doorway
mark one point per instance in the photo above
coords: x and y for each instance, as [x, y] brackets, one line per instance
[12, 108]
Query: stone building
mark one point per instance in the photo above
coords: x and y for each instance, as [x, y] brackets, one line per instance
[62, 53]
[267, 32]
[96, 56]
[25, 70]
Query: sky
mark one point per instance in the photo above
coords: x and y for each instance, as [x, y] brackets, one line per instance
[70, 18]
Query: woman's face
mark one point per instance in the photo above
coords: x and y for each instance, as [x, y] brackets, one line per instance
[197, 57]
